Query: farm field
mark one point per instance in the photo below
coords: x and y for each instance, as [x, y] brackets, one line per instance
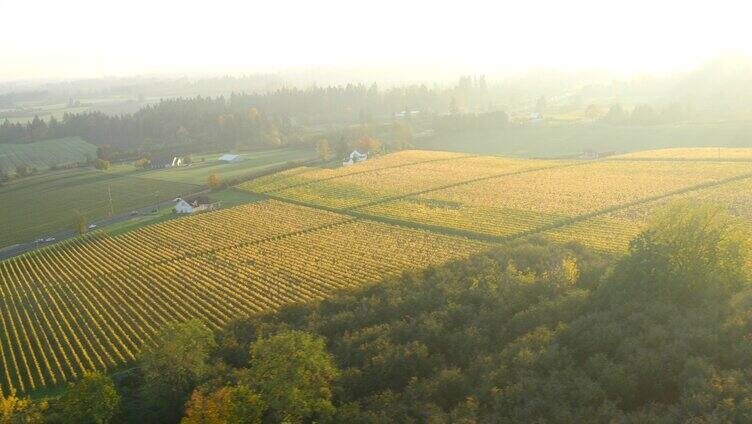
[557, 139]
[304, 175]
[42, 204]
[199, 172]
[511, 205]
[692, 153]
[498, 198]
[92, 302]
[495, 197]
[613, 231]
[43, 154]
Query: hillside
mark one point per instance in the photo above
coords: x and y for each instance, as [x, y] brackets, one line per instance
[45, 154]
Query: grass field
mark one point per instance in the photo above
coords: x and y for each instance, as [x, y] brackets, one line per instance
[557, 139]
[91, 303]
[44, 204]
[199, 172]
[43, 154]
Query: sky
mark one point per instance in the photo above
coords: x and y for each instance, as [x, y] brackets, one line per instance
[82, 38]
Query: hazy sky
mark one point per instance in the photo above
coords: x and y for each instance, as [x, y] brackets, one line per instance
[81, 38]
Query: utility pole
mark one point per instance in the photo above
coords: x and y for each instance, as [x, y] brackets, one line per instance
[109, 195]
[156, 201]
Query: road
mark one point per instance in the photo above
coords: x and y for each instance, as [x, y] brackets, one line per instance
[17, 249]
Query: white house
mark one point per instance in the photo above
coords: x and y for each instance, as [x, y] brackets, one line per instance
[198, 204]
[354, 158]
[229, 158]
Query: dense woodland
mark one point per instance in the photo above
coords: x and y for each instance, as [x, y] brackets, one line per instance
[529, 332]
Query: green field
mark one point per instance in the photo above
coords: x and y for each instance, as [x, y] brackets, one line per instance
[43, 204]
[548, 139]
[206, 165]
[43, 154]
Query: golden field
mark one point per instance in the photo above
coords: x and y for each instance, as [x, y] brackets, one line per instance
[93, 302]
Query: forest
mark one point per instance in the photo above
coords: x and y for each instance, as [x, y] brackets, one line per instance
[528, 332]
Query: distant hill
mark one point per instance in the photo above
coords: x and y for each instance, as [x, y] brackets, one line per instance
[45, 154]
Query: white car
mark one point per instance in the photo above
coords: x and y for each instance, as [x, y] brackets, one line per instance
[92, 226]
[49, 239]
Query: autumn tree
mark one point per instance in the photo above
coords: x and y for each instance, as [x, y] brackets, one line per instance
[226, 405]
[293, 373]
[322, 149]
[142, 163]
[15, 410]
[92, 400]
[214, 182]
[368, 144]
[24, 170]
[80, 224]
[174, 364]
[101, 164]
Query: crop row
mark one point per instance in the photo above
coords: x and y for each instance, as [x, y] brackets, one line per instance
[305, 175]
[93, 303]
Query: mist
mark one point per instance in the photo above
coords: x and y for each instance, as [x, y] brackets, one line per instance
[88, 39]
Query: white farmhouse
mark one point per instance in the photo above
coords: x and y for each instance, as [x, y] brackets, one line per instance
[354, 158]
[198, 204]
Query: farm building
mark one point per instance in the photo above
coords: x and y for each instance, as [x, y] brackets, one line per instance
[197, 204]
[354, 158]
[229, 158]
[166, 162]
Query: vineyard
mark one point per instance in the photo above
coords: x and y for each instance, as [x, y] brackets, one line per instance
[93, 302]
[499, 198]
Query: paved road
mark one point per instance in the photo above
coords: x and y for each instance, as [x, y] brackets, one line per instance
[18, 249]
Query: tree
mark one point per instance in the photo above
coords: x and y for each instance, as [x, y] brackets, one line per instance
[226, 405]
[644, 115]
[322, 149]
[15, 410]
[690, 252]
[616, 115]
[80, 224]
[24, 170]
[402, 135]
[541, 105]
[101, 164]
[214, 182]
[368, 144]
[174, 364]
[293, 373]
[91, 400]
[142, 163]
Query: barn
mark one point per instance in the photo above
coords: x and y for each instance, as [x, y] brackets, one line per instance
[229, 158]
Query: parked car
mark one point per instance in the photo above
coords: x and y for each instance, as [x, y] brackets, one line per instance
[92, 226]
